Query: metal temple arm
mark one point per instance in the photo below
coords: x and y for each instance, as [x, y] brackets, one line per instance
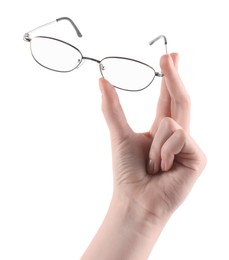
[72, 23]
[158, 38]
[27, 35]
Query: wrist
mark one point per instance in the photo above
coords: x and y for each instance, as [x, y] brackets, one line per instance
[127, 232]
[137, 219]
[139, 228]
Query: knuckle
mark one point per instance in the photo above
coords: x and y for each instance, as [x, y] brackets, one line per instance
[183, 100]
[181, 134]
[167, 123]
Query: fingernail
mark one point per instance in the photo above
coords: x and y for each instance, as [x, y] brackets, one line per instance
[163, 166]
[150, 167]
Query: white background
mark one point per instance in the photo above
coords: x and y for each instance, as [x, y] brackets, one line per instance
[55, 161]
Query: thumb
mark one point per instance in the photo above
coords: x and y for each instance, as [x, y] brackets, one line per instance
[112, 110]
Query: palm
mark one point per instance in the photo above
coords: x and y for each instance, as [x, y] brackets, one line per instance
[151, 190]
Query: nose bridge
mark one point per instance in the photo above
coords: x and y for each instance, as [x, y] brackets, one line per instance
[92, 59]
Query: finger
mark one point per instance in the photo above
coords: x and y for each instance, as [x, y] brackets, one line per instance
[112, 111]
[164, 101]
[180, 101]
[166, 128]
[180, 147]
[175, 58]
[172, 147]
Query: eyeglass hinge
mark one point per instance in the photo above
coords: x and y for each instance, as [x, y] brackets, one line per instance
[26, 37]
[158, 74]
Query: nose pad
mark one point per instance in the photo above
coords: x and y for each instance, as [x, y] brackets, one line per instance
[101, 66]
[80, 62]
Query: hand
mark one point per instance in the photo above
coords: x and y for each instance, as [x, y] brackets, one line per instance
[155, 170]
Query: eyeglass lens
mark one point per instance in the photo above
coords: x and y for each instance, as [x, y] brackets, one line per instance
[127, 73]
[55, 54]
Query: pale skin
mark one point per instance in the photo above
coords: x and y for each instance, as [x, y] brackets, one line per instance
[153, 172]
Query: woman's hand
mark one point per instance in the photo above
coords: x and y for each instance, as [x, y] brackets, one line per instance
[157, 169]
[153, 172]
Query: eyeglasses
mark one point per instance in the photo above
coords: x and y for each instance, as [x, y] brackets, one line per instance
[123, 73]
